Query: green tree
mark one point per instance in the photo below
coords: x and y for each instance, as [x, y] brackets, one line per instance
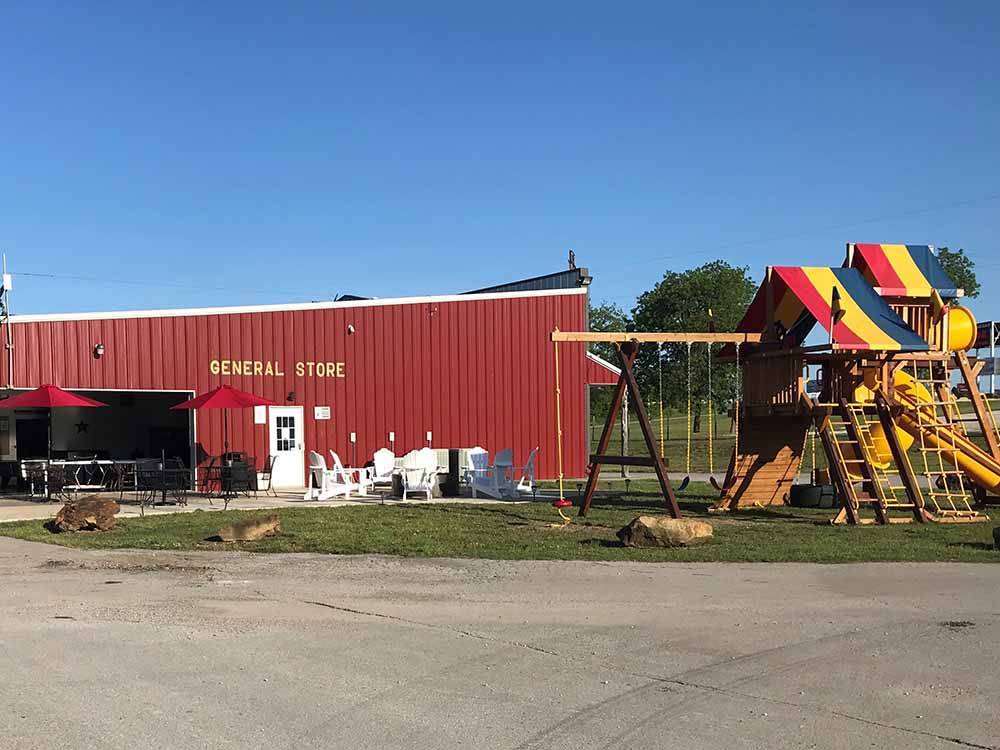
[605, 317]
[962, 270]
[681, 302]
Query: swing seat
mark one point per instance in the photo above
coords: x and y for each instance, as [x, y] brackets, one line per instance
[722, 486]
[684, 483]
[562, 503]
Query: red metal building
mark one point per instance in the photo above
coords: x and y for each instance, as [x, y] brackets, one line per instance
[446, 371]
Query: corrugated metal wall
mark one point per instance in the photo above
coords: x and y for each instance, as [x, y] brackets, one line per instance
[599, 374]
[471, 371]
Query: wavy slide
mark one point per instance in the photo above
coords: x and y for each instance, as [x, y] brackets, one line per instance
[918, 416]
[916, 419]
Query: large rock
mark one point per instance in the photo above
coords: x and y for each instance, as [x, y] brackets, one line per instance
[86, 514]
[664, 531]
[250, 530]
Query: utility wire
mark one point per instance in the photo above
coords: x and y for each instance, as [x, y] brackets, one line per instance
[656, 259]
[130, 282]
[806, 232]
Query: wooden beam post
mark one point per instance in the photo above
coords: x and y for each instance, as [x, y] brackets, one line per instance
[983, 414]
[594, 473]
[838, 472]
[661, 337]
[866, 470]
[647, 429]
[902, 461]
[769, 331]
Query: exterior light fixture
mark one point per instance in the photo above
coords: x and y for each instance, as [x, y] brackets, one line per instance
[350, 329]
[290, 397]
[98, 351]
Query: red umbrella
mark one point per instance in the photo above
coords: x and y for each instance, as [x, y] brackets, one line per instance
[47, 397]
[225, 397]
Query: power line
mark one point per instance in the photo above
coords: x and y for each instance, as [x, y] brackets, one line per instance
[132, 282]
[806, 232]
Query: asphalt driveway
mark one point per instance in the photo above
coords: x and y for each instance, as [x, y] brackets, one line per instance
[136, 649]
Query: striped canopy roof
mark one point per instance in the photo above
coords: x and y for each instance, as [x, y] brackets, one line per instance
[804, 295]
[902, 270]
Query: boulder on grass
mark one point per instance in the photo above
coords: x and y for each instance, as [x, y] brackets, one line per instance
[664, 531]
[86, 514]
[250, 530]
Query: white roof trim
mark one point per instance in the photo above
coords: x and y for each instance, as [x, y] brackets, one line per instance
[289, 307]
[603, 363]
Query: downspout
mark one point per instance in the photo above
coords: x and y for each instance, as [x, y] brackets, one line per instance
[6, 288]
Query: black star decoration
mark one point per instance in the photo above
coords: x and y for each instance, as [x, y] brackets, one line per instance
[81, 427]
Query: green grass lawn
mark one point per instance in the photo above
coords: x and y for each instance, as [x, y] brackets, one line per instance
[520, 531]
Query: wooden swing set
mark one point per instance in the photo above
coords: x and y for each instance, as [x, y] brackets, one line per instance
[627, 346]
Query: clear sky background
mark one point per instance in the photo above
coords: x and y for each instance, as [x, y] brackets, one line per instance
[249, 153]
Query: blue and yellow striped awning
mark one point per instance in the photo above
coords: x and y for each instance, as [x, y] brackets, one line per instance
[804, 295]
[903, 270]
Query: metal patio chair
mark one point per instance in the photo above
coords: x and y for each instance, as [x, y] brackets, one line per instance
[265, 475]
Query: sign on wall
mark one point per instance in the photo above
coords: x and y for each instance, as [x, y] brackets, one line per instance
[321, 412]
[260, 415]
[273, 368]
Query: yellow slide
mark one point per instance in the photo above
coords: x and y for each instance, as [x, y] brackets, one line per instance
[977, 464]
[918, 417]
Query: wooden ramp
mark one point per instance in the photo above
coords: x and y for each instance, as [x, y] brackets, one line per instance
[770, 454]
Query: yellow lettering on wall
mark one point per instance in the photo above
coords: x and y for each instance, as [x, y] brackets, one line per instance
[272, 368]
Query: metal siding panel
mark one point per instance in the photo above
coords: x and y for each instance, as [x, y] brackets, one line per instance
[369, 441]
[44, 361]
[473, 372]
[405, 384]
[398, 395]
[426, 392]
[381, 353]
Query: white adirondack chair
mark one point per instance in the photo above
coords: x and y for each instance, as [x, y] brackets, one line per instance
[479, 463]
[493, 481]
[360, 479]
[526, 484]
[418, 475]
[503, 470]
[385, 463]
[325, 483]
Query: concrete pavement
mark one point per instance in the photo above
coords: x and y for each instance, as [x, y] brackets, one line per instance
[232, 650]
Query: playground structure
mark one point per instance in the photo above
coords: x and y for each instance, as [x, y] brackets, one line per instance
[627, 348]
[897, 444]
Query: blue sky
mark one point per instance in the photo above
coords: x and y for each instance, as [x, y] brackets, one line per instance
[250, 153]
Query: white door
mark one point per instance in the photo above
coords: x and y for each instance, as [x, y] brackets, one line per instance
[285, 428]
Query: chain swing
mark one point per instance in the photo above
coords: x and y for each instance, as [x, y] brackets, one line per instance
[731, 476]
[659, 403]
[711, 408]
[687, 462]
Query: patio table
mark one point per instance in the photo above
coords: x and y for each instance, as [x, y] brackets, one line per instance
[77, 475]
